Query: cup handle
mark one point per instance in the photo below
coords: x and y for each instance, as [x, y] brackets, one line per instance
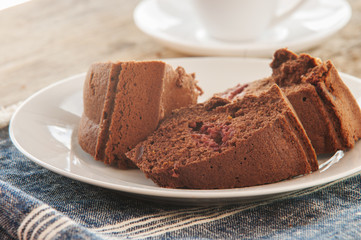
[277, 19]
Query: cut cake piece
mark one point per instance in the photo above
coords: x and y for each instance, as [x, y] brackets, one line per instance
[125, 101]
[324, 104]
[221, 144]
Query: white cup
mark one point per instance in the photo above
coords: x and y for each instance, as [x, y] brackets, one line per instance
[241, 20]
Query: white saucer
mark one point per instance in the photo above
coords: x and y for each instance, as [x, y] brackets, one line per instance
[173, 24]
[44, 128]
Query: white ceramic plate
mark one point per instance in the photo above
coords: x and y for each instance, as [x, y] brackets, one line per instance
[44, 129]
[173, 23]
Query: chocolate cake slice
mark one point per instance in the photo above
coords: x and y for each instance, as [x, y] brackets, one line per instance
[324, 104]
[125, 101]
[222, 143]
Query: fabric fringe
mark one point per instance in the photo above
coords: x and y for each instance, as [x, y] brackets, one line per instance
[6, 113]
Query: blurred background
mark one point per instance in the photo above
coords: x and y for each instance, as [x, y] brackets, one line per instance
[45, 41]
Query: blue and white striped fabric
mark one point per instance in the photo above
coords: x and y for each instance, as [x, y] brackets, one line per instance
[38, 204]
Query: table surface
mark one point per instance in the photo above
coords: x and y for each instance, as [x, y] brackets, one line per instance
[46, 41]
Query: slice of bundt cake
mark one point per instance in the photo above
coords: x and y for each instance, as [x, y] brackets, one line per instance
[324, 104]
[221, 144]
[124, 102]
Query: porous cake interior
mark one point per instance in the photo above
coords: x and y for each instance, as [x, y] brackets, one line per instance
[211, 136]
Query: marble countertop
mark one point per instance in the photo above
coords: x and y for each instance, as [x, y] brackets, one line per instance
[46, 41]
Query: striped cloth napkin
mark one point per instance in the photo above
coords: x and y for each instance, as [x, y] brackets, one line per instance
[36, 203]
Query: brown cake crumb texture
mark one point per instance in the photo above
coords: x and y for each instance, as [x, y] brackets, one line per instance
[221, 144]
[125, 101]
